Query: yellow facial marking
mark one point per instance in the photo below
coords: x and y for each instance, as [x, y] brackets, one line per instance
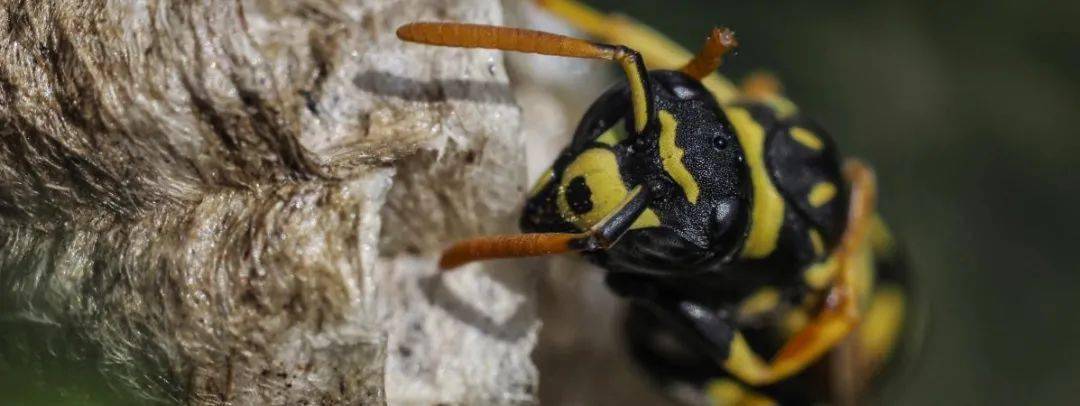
[672, 155]
[767, 214]
[821, 193]
[600, 169]
[542, 182]
[613, 135]
[881, 327]
[807, 138]
[818, 243]
[646, 219]
[761, 302]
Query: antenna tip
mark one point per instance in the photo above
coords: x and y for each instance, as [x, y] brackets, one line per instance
[449, 263]
[725, 36]
[406, 31]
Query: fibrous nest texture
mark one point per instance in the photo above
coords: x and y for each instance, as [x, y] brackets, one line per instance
[240, 201]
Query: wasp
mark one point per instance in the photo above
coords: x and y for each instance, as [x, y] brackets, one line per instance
[749, 251]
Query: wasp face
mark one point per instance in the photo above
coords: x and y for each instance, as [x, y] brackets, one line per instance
[696, 167]
[585, 182]
[689, 161]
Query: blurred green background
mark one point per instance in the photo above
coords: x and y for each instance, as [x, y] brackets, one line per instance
[968, 111]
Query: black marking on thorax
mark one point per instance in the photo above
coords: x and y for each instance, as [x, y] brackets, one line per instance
[804, 165]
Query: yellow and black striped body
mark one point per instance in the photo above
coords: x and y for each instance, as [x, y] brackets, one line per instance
[747, 205]
[766, 319]
[748, 256]
[739, 194]
[690, 161]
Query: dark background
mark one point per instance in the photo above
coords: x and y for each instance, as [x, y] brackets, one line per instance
[968, 110]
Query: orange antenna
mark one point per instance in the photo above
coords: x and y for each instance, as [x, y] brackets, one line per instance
[720, 42]
[599, 237]
[508, 246]
[536, 42]
[504, 38]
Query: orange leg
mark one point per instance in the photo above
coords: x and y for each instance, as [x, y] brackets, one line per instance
[840, 311]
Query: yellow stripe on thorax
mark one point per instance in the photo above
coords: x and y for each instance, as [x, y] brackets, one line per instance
[671, 154]
[767, 213]
[720, 87]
